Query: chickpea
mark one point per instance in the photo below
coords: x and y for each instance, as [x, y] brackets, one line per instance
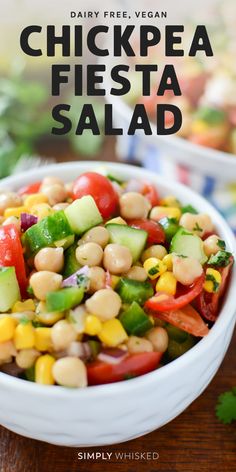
[26, 358]
[117, 259]
[98, 235]
[159, 338]
[134, 205]
[97, 278]
[70, 372]
[49, 258]
[60, 206]
[137, 273]
[43, 282]
[56, 193]
[62, 334]
[136, 344]
[13, 220]
[186, 269]
[77, 316]
[48, 181]
[104, 303]
[9, 200]
[7, 350]
[211, 245]
[90, 254]
[199, 224]
[156, 250]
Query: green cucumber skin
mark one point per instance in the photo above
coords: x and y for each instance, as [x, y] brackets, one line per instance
[45, 233]
[83, 214]
[135, 321]
[188, 244]
[9, 288]
[170, 228]
[71, 265]
[134, 239]
[64, 299]
[132, 290]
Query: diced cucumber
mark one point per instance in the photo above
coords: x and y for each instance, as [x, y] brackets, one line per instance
[187, 244]
[64, 299]
[134, 239]
[45, 233]
[133, 290]
[9, 288]
[170, 226]
[66, 242]
[83, 214]
[135, 321]
[71, 265]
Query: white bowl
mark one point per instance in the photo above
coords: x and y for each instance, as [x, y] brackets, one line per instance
[121, 411]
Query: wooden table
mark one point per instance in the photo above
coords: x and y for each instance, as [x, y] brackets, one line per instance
[193, 442]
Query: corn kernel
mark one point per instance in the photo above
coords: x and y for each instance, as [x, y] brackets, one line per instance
[93, 325]
[7, 328]
[35, 199]
[168, 261]
[112, 333]
[199, 127]
[114, 281]
[43, 340]
[21, 307]
[24, 336]
[167, 283]
[154, 267]
[14, 211]
[117, 221]
[43, 370]
[46, 318]
[41, 210]
[159, 212]
[170, 201]
[213, 280]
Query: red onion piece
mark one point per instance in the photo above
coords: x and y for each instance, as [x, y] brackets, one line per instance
[112, 355]
[27, 220]
[78, 349]
[71, 281]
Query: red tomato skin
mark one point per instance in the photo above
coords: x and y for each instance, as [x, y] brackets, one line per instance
[156, 234]
[135, 364]
[11, 254]
[29, 189]
[100, 188]
[187, 319]
[151, 193]
[171, 303]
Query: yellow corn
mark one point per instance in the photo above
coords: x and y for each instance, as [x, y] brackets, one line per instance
[170, 201]
[199, 127]
[43, 340]
[35, 199]
[168, 261]
[21, 307]
[213, 280]
[46, 318]
[24, 336]
[117, 221]
[154, 267]
[167, 283]
[112, 333]
[43, 370]
[14, 211]
[159, 212]
[41, 210]
[93, 325]
[114, 281]
[7, 328]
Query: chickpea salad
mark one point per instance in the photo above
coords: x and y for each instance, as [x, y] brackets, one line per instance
[103, 280]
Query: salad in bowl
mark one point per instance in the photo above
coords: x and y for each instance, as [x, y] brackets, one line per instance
[104, 278]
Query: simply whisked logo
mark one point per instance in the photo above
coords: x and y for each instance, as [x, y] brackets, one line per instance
[118, 456]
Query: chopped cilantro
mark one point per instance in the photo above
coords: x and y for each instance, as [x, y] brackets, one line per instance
[197, 227]
[82, 281]
[221, 244]
[37, 324]
[213, 280]
[220, 259]
[24, 320]
[189, 209]
[30, 291]
[226, 406]
[172, 220]
[153, 271]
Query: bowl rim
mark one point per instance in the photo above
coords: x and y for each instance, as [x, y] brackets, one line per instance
[226, 315]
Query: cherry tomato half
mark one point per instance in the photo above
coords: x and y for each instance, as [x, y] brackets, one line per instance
[11, 254]
[29, 189]
[187, 319]
[133, 365]
[150, 192]
[100, 188]
[163, 302]
[156, 234]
